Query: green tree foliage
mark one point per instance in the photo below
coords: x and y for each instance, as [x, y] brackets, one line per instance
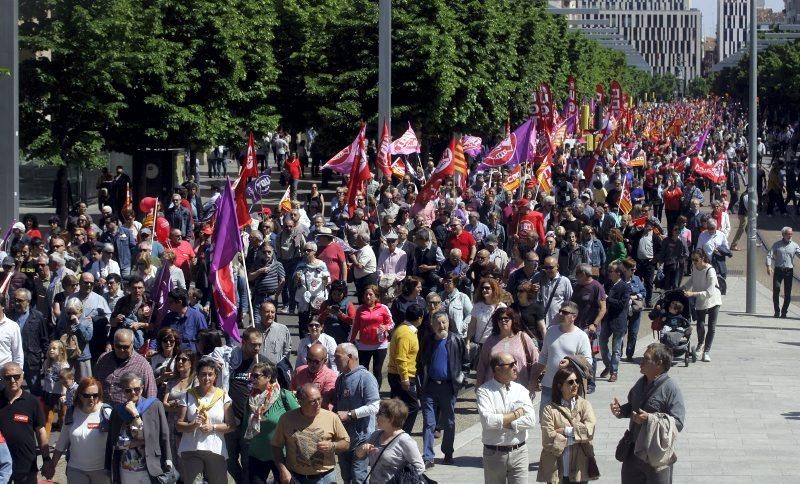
[126, 74]
[778, 80]
[131, 74]
[698, 88]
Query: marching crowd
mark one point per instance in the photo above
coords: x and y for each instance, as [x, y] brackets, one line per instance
[521, 294]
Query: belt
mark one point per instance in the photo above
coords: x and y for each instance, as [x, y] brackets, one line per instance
[312, 476]
[784, 268]
[503, 448]
[439, 382]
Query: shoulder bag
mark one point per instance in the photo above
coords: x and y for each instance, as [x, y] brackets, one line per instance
[626, 443]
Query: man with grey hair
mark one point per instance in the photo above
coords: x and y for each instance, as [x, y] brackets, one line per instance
[426, 259]
[112, 365]
[365, 264]
[356, 226]
[58, 270]
[106, 265]
[711, 240]
[356, 402]
[35, 339]
[782, 253]
[311, 280]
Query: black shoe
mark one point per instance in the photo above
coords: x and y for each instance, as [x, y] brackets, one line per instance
[605, 373]
[590, 390]
[629, 359]
[776, 315]
[448, 459]
[429, 464]
[783, 315]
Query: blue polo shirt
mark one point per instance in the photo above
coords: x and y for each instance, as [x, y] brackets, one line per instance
[439, 368]
[187, 326]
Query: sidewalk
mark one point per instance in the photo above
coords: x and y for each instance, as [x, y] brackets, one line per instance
[742, 424]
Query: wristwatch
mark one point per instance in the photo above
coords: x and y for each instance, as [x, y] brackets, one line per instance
[350, 414]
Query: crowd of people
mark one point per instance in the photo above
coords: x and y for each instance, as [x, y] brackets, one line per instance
[519, 293]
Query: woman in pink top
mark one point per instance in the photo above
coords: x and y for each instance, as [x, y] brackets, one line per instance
[509, 336]
[370, 331]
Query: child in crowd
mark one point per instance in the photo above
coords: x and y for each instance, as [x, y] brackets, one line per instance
[68, 388]
[55, 361]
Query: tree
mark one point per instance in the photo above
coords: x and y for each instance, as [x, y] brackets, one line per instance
[699, 87]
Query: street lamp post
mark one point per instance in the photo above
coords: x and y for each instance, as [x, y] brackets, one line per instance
[9, 111]
[752, 171]
[385, 65]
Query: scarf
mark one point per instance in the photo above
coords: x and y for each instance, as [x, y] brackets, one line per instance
[203, 408]
[259, 404]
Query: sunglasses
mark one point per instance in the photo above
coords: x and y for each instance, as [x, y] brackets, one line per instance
[168, 340]
[12, 377]
[316, 362]
[547, 268]
[90, 395]
[571, 381]
[122, 347]
[507, 365]
[486, 288]
[505, 318]
[132, 390]
[565, 312]
[255, 376]
[182, 359]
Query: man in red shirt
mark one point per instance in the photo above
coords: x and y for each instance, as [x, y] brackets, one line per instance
[526, 221]
[463, 240]
[293, 171]
[331, 254]
[316, 371]
[184, 253]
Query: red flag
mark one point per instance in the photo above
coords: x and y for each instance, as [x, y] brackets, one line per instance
[359, 173]
[240, 194]
[384, 152]
[250, 167]
[445, 168]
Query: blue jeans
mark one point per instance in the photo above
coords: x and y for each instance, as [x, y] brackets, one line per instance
[438, 396]
[354, 470]
[611, 361]
[633, 333]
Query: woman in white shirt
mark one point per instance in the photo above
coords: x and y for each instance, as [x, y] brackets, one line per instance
[487, 301]
[204, 419]
[708, 300]
[721, 216]
[83, 430]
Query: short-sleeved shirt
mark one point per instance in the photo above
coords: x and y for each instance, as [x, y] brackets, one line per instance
[210, 441]
[588, 297]
[300, 435]
[464, 242]
[18, 423]
[333, 256]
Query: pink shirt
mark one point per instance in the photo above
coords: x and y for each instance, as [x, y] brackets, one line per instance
[324, 379]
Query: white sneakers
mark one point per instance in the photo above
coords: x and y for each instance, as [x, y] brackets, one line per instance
[707, 357]
[698, 352]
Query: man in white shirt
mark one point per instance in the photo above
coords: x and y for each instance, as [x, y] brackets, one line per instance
[104, 266]
[560, 341]
[711, 239]
[506, 412]
[10, 338]
[497, 256]
[391, 262]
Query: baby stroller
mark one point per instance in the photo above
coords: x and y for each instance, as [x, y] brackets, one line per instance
[674, 330]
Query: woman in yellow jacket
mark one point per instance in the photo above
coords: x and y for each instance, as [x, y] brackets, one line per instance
[402, 368]
[567, 432]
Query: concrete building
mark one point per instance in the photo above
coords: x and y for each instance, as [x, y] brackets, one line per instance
[667, 33]
[732, 25]
[792, 11]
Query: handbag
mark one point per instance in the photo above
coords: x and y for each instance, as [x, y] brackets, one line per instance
[407, 474]
[626, 443]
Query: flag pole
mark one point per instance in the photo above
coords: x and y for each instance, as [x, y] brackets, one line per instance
[247, 283]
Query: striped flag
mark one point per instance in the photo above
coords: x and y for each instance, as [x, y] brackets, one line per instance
[514, 179]
[398, 168]
[285, 205]
[625, 204]
[544, 174]
[460, 163]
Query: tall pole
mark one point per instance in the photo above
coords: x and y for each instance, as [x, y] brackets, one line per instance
[752, 171]
[9, 111]
[385, 65]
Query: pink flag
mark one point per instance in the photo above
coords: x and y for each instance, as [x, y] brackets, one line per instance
[343, 160]
[227, 243]
[472, 145]
[406, 144]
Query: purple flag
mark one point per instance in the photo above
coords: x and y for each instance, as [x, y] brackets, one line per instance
[159, 294]
[511, 151]
[472, 145]
[227, 243]
[697, 147]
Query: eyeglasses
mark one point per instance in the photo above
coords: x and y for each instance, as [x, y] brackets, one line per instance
[176, 236]
[90, 395]
[182, 359]
[547, 268]
[571, 381]
[12, 377]
[566, 312]
[168, 340]
[316, 362]
[309, 250]
[507, 365]
[122, 347]
[314, 325]
[132, 390]
[532, 261]
[256, 376]
[58, 246]
[505, 318]
[20, 300]
[486, 288]
[432, 303]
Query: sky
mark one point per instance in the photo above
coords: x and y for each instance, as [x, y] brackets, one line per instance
[709, 9]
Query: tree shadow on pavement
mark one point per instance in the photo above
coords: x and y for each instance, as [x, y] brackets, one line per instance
[791, 415]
